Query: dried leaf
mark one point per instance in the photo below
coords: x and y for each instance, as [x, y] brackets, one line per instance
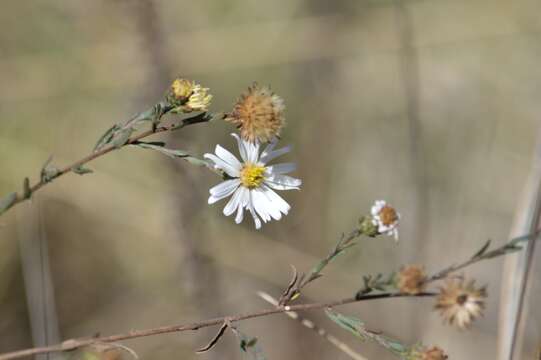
[214, 340]
[27, 192]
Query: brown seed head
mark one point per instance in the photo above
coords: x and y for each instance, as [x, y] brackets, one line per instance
[434, 353]
[259, 114]
[411, 279]
[460, 303]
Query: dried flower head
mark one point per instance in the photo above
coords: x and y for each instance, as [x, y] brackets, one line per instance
[434, 353]
[386, 218]
[422, 353]
[188, 96]
[259, 114]
[411, 279]
[460, 303]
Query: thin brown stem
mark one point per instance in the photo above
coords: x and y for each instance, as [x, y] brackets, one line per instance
[73, 344]
[20, 197]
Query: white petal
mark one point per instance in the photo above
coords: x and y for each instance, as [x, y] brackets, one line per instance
[227, 157]
[214, 198]
[240, 214]
[277, 200]
[283, 168]
[253, 151]
[266, 157]
[243, 202]
[267, 204]
[227, 186]
[268, 149]
[221, 164]
[271, 206]
[242, 148]
[283, 182]
[257, 221]
[260, 204]
[233, 203]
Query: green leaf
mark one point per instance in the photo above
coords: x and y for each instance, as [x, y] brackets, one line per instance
[122, 137]
[81, 170]
[49, 171]
[350, 324]
[517, 240]
[249, 345]
[356, 327]
[7, 201]
[483, 249]
[173, 153]
[106, 137]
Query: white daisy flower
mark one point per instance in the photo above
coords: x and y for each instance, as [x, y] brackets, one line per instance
[386, 218]
[252, 181]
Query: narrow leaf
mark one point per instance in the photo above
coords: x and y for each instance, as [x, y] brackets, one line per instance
[483, 249]
[106, 137]
[48, 171]
[173, 153]
[27, 192]
[7, 201]
[350, 324]
[249, 345]
[214, 340]
[81, 170]
[122, 137]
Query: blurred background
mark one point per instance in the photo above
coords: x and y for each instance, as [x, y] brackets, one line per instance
[432, 105]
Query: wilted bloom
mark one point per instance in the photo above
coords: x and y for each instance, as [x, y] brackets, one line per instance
[411, 279]
[434, 353]
[386, 218]
[189, 96]
[421, 353]
[252, 181]
[259, 114]
[460, 303]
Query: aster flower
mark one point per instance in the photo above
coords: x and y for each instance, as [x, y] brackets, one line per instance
[386, 218]
[460, 303]
[252, 181]
[411, 279]
[259, 114]
[188, 96]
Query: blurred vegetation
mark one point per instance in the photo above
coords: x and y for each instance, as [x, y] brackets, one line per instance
[441, 123]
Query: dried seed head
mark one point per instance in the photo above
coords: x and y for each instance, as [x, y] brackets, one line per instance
[259, 114]
[460, 303]
[421, 353]
[411, 279]
[434, 353]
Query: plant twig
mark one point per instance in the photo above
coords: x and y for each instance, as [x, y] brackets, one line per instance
[340, 345]
[19, 197]
[299, 282]
[73, 344]
[483, 254]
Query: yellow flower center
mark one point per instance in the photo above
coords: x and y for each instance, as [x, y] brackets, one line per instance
[388, 215]
[251, 176]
